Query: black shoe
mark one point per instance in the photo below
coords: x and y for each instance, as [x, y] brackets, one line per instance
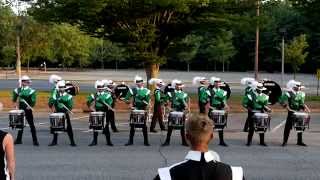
[245, 130]
[36, 143]
[17, 142]
[263, 144]
[153, 131]
[129, 144]
[165, 144]
[52, 144]
[73, 145]
[163, 129]
[223, 144]
[248, 144]
[301, 144]
[109, 144]
[115, 130]
[184, 144]
[146, 144]
[284, 144]
[93, 144]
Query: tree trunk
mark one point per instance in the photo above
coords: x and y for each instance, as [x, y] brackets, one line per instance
[215, 66]
[28, 65]
[18, 60]
[188, 65]
[223, 66]
[116, 65]
[102, 64]
[294, 75]
[152, 71]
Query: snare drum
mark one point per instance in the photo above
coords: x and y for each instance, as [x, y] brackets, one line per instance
[138, 118]
[261, 122]
[301, 121]
[96, 120]
[16, 119]
[176, 120]
[219, 119]
[57, 122]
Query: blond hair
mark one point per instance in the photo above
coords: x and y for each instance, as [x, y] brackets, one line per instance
[198, 128]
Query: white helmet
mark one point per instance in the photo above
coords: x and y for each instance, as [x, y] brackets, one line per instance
[53, 79]
[155, 81]
[99, 85]
[247, 81]
[200, 80]
[260, 86]
[294, 84]
[177, 82]
[214, 79]
[25, 78]
[61, 85]
[138, 79]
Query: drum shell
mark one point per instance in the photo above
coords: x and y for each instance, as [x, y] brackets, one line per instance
[219, 118]
[301, 121]
[138, 118]
[17, 119]
[261, 122]
[96, 120]
[57, 122]
[176, 120]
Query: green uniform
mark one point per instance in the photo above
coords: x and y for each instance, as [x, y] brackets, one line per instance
[100, 99]
[203, 94]
[59, 100]
[294, 100]
[218, 98]
[247, 90]
[255, 101]
[53, 93]
[24, 93]
[179, 100]
[141, 97]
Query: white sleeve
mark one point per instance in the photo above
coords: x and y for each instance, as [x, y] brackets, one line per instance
[237, 173]
[164, 173]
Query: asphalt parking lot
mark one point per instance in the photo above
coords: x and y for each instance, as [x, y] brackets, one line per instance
[139, 162]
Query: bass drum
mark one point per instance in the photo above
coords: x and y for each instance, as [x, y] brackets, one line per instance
[273, 90]
[168, 88]
[121, 90]
[225, 86]
[72, 88]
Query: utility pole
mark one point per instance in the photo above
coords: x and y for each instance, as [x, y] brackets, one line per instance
[256, 62]
[283, 33]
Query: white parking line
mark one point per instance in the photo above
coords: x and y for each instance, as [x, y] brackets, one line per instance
[278, 126]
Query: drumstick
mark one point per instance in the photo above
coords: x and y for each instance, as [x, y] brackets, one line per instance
[109, 107]
[67, 108]
[145, 102]
[25, 102]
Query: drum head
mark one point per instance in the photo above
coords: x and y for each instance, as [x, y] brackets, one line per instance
[262, 115]
[225, 86]
[168, 88]
[56, 115]
[16, 111]
[97, 113]
[273, 90]
[121, 90]
[72, 88]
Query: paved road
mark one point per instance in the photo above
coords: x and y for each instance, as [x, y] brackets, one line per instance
[86, 79]
[140, 162]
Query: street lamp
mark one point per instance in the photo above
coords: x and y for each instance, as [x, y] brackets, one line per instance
[283, 33]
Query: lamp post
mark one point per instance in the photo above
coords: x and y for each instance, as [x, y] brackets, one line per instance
[282, 32]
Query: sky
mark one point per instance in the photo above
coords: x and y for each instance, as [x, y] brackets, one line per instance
[16, 6]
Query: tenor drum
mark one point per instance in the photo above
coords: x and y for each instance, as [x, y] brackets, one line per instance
[16, 119]
[138, 118]
[301, 121]
[96, 120]
[219, 119]
[57, 122]
[176, 120]
[261, 122]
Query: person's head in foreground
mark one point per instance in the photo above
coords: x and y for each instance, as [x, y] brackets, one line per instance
[200, 163]
[7, 162]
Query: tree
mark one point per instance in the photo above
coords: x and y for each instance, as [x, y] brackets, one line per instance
[295, 53]
[220, 49]
[68, 45]
[107, 51]
[147, 26]
[188, 48]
